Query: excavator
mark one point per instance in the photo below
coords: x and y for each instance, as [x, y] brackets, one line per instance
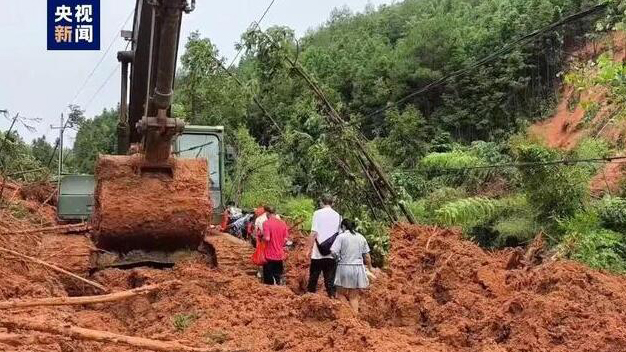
[153, 200]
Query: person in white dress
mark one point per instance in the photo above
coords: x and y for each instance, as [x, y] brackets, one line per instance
[352, 253]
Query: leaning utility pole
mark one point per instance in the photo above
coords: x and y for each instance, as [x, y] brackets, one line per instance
[61, 129]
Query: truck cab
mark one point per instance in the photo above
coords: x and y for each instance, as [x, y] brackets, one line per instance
[76, 191]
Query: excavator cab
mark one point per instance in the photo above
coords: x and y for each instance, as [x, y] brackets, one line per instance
[206, 142]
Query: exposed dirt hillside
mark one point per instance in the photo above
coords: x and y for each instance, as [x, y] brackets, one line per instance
[569, 125]
[440, 293]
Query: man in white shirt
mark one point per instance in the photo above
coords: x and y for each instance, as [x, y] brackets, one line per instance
[326, 222]
[261, 219]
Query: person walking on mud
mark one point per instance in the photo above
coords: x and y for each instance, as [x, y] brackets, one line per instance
[325, 224]
[275, 234]
[352, 253]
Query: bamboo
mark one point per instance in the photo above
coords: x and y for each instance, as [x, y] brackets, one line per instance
[55, 268]
[66, 301]
[74, 228]
[79, 333]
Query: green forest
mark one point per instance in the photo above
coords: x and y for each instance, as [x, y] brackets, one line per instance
[287, 151]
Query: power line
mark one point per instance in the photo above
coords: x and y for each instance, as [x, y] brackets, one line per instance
[566, 162]
[117, 67]
[256, 25]
[491, 57]
[113, 40]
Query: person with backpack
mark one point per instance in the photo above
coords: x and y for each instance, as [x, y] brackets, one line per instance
[325, 228]
[352, 253]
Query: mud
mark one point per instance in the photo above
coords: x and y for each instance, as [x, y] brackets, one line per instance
[439, 293]
[150, 210]
[610, 179]
[41, 192]
[568, 126]
[465, 298]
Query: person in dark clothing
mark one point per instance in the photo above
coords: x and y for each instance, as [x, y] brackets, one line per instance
[326, 222]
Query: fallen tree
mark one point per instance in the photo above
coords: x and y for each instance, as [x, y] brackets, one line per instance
[71, 228]
[55, 268]
[112, 297]
[79, 333]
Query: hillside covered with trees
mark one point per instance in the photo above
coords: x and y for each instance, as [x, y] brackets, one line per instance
[372, 67]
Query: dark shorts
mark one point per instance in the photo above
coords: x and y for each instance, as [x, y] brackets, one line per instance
[273, 272]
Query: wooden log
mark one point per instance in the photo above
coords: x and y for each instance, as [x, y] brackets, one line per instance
[16, 340]
[11, 339]
[72, 228]
[55, 268]
[67, 301]
[79, 333]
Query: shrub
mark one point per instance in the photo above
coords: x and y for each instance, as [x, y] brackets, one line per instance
[377, 235]
[586, 241]
[591, 111]
[441, 196]
[451, 167]
[421, 214]
[554, 190]
[415, 184]
[612, 212]
[514, 230]
[479, 211]
[299, 209]
[256, 177]
[600, 249]
[468, 212]
[591, 148]
[438, 162]
[182, 321]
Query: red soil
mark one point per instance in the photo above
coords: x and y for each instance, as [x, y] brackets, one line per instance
[40, 192]
[566, 128]
[440, 293]
[609, 179]
[136, 210]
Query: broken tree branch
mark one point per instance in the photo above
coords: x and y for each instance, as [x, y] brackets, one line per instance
[2, 170]
[71, 228]
[67, 301]
[79, 333]
[55, 268]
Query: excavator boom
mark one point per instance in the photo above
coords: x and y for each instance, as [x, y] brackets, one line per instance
[150, 200]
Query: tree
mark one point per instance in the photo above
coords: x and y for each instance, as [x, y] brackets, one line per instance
[256, 177]
[205, 94]
[408, 139]
[76, 117]
[43, 151]
[95, 136]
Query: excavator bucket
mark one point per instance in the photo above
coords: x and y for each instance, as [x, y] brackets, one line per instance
[150, 210]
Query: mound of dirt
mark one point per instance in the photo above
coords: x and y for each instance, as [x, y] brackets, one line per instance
[150, 210]
[439, 293]
[41, 192]
[18, 278]
[442, 287]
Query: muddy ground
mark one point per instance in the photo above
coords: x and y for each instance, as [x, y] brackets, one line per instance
[438, 293]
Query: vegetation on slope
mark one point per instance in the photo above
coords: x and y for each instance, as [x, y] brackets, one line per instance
[287, 153]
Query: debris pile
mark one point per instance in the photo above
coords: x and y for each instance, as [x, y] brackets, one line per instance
[439, 293]
[445, 288]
